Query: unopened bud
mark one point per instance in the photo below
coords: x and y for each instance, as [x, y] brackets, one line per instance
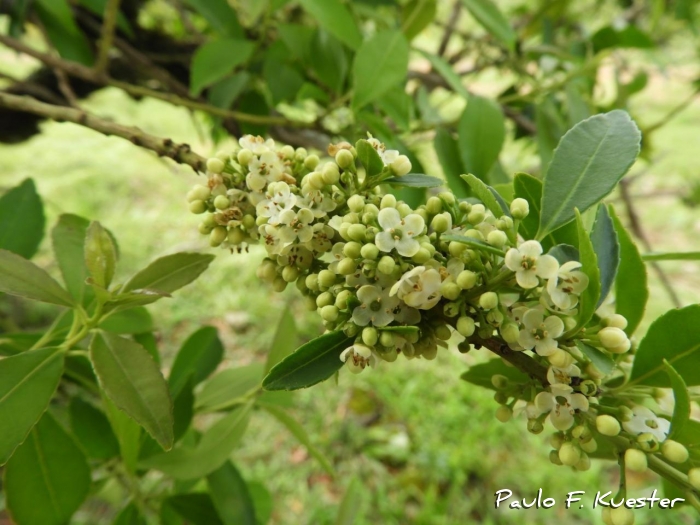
[497, 238]
[401, 166]
[215, 165]
[569, 454]
[386, 265]
[635, 460]
[503, 414]
[607, 425]
[465, 326]
[519, 208]
[197, 207]
[611, 337]
[488, 300]
[466, 279]
[674, 451]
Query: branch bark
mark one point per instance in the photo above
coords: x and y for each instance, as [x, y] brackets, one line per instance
[109, 26]
[519, 360]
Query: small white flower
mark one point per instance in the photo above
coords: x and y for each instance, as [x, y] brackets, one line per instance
[337, 255]
[561, 404]
[263, 170]
[279, 199]
[528, 263]
[525, 407]
[256, 144]
[419, 288]
[321, 238]
[556, 375]
[644, 420]
[540, 333]
[357, 357]
[399, 233]
[377, 306]
[318, 202]
[296, 225]
[565, 287]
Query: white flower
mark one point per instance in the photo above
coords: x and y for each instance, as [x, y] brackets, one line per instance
[256, 144]
[295, 225]
[337, 254]
[644, 420]
[540, 333]
[399, 233]
[419, 288]
[318, 202]
[556, 375]
[525, 407]
[263, 170]
[377, 306]
[387, 155]
[279, 199]
[566, 285]
[357, 357]
[321, 238]
[561, 403]
[528, 263]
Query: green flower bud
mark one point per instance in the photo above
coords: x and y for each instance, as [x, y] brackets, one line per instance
[465, 326]
[205, 228]
[534, 426]
[475, 234]
[351, 330]
[356, 203]
[510, 333]
[221, 202]
[404, 209]
[457, 248]
[429, 352]
[235, 236]
[217, 236]
[441, 222]
[501, 398]
[617, 321]
[569, 323]
[497, 238]
[477, 214]
[341, 300]
[554, 457]
[488, 300]
[310, 303]
[401, 166]
[607, 425]
[352, 249]
[197, 207]
[612, 337]
[450, 290]
[451, 309]
[447, 197]
[312, 281]
[694, 478]
[329, 313]
[370, 336]
[674, 451]
[588, 388]
[618, 516]
[300, 154]
[287, 152]
[268, 270]
[346, 266]
[301, 284]
[326, 279]
[315, 180]
[386, 339]
[330, 174]
[569, 454]
[465, 207]
[635, 460]
[442, 332]
[647, 442]
[369, 251]
[311, 162]
[356, 232]
[386, 265]
[290, 273]
[626, 414]
[504, 413]
[464, 347]
[279, 285]
[244, 157]
[325, 299]
[422, 256]
[215, 165]
[388, 201]
[556, 440]
[344, 158]
[583, 464]
[589, 446]
[560, 358]
[198, 193]
[433, 206]
[499, 381]
[519, 208]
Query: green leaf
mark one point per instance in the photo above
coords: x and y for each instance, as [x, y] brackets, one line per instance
[20, 277]
[671, 256]
[565, 253]
[312, 363]
[448, 154]
[229, 387]
[47, 478]
[149, 342]
[631, 291]
[490, 17]
[681, 405]
[416, 16]
[128, 433]
[589, 161]
[675, 337]
[335, 18]
[21, 220]
[588, 300]
[57, 18]
[385, 53]
[262, 501]
[398, 106]
[600, 360]
[225, 92]
[130, 515]
[350, 506]
[217, 59]
[68, 237]
[299, 433]
[285, 340]
[607, 250]
[97, 7]
[132, 380]
[473, 243]
[446, 71]
[415, 180]
[282, 80]
[183, 410]
[482, 373]
[197, 508]
[481, 134]
[197, 358]
[100, 255]
[169, 273]
[92, 430]
[487, 195]
[220, 16]
[330, 61]
[529, 188]
[134, 321]
[369, 158]
[29, 381]
[230, 495]
[213, 450]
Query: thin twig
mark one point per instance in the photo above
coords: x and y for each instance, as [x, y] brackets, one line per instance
[519, 360]
[671, 114]
[61, 78]
[163, 147]
[109, 26]
[450, 28]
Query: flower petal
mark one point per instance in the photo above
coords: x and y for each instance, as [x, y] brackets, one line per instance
[531, 249]
[547, 267]
[389, 218]
[527, 278]
[554, 326]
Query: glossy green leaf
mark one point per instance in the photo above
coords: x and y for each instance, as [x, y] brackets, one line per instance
[486, 195]
[415, 180]
[675, 337]
[284, 342]
[21, 220]
[351, 504]
[229, 387]
[589, 161]
[183, 410]
[299, 433]
[68, 238]
[490, 17]
[133, 321]
[600, 360]
[230, 495]
[47, 478]
[385, 52]
[631, 291]
[198, 357]
[369, 158]
[127, 431]
[220, 16]
[588, 299]
[450, 159]
[482, 373]
[197, 508]
[446, 71]
[217, 59]
[398, 106]
[416, 15]
[312, 363]
[481, 135]
[681, 404]
[565, 253]
[607, 250]
[330, 61]
[100, 255]
[149, 342]
[130, 515]
[334, 17]
[671, 256]
[29, 381]
[131, 379]
[20, 277]
[475, 244]
[57, 18]
[170, 273]
[92, 430]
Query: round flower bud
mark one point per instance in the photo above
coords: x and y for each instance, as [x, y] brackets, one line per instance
[457, 248]
[501, 398]
[356, 232]
[503, 414]
[369, 251]
[618, 516]
[510, 333]
[647, 442]
[287, 152]
[554, 457]
[477, 214]
[324, 299]
[569, 454]
[352, 249]
[370, 336]
[607, 425]
[617, 321]
[344, 158]
[620, 349]
[341, 300]
[404, 209]
[386, 265]
[556, 440]
[244, 157]
[326, 279]
[198, 207]
[465, 207]
[451, 309]
[534, 426]
[488, 300]
[387, 339]
[560, 358]
[441, 222]
[635, 460]
[312, 281]
[466, 279]
[198, 193]
[311, 162]
[356, 203]
[310, 303]
[315, 180]
[346, 266]
[450, 290]
[205, 228]
[588, 388]
[465, 326]
[215, 165]
[569, 323]
[433, 206]
[589, 446]
[497, 238]
[290, 273]
[329, 313]
[447, 197]
[519, 208]
[300, 154]
[674, 451]
[421, 257]
[279, 285]
[584, 463]
[694, 478]
[499, 381]
[235, 236]
[388, 201]
[429, 352]
[221, 202]
[330, 173]
[475, 234]
[401, 166]
[217, 236]
[612, 337]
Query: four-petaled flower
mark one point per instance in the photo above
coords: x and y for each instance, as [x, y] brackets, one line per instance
[561, 403]
[279, 199]
[295, 225]
[419, 288]
[264, 169]
[528, 263]
[357, 357]
[540, 333]
[377, 306]
[566, 285]
[399, 233]
[644, 420]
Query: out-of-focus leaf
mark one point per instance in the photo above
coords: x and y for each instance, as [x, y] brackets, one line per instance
[220, 16]
[330, 61]
[21, 220]
[97, 7]
[169, 273]
[132, 321]
[229, 387]
[415, 180]
[398, 106]
[385, 53]
[68, 237]
[450, 159]
[20, 277]
[481, 135]
[128, 433]
[216, 59]
[224, 93]
[446, 71]
[284, 342]
[672, 256]
[610, 37]
[57, 18]
[607, 249]
[198, 357]
[351, 504]
[197, 508]
[482, 373]
[416, 15]
[490, 17]
[681, 404]
[92, 430]
[130, 515]
[230, 495]
[334, 17]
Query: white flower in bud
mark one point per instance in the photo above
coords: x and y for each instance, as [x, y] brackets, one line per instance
[561, 403]
[614, 339]
[419, 288]
[504, 413]
[569, 454]
[215, 165]
[465, 326]
[197, 207]
[694, 478]
[256, 144]
[488, 300]
[644, 420]
[566, 285]
[388, 201]
[607, 425]
[358, 357]
[198, 193]
[401, 165]
[519, 208]
[344, 158]
[377, 306]
[618, 516]
[497, 238]
[441, 222]
[398, 233]
[560, 358]
[466, 279]
[616, 321]
[528, 263]
[635, 460]
[540, 333]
